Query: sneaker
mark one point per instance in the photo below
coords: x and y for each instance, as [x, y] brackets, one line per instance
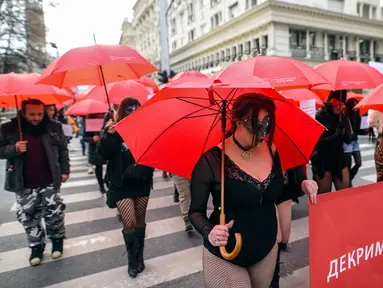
[37, 253]
[57, 248]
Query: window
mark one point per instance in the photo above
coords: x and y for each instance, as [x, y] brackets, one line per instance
[182, 21]
[191, 35]
[233, 10]
[174, 45]
[373, 12]
[297, 39]
[190, 12]
[173, 25]
[216, 20]
[214, 2]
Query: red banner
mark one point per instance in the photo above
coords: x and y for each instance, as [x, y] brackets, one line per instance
[346, 238]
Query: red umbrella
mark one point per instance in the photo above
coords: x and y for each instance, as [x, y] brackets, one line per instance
[356, 96]
[148, 82]
[97, 65]
[282, 73]
[184, 116]
[179, 98]
[117, 91]
[322, 91]
[345, 74]
[86, 107]
[302, 94]
[373, 101]
[189, 73]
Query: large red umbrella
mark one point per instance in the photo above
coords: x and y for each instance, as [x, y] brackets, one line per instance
[117, 91]
[148, 82]
[97, 65]
[302, 94]
[86, 107]
[185, 116]
[345, 74]
[281, 72]
[373, 101]
[356, 96]
[189, 73]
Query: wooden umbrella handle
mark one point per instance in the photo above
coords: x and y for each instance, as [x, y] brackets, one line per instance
[238, 243]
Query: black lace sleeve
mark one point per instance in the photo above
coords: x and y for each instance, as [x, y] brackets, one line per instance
[200, 187]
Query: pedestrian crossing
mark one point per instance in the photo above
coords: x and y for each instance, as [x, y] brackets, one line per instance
[94, 249]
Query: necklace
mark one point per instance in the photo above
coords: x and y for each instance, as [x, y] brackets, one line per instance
[246, 154]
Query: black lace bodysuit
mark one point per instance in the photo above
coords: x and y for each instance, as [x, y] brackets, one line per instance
[248, 201]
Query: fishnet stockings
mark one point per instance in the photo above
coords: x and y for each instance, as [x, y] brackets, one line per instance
[133, 212]
[220, 273]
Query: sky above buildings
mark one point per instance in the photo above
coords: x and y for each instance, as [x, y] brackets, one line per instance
[73, 23]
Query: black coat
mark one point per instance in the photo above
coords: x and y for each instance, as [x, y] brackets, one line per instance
[120, 162]
[93, 157]
[55, 145]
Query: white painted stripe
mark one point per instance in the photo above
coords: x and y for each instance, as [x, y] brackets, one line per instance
[158, 270]
[17, 259]
[367, 153]
[12, 228]
[79, 162]
[79, 183]
[73, 198]
[366, 145]
[367, 164]
[370, 178]
[299, 279]
[78, 158]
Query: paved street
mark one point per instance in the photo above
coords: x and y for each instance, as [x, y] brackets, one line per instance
[94, 251]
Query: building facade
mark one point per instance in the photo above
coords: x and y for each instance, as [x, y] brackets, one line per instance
[128, 35]
[146, 28]
[209, 35]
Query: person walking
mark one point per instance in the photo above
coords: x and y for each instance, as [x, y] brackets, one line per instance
[36, 166]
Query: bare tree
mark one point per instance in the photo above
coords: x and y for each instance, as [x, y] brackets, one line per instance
[22, 35]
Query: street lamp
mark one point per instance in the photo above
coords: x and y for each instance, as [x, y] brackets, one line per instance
[53, 45]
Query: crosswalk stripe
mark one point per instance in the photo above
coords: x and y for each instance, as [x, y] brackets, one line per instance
[11, 228]
[160, 269]
[16, 259]
[370, 178]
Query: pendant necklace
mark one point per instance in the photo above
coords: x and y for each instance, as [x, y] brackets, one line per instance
[246, 154]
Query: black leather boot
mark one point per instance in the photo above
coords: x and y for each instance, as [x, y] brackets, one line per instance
[130, 239]
[140, 248]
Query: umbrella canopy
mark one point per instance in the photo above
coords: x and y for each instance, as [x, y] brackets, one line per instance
[373, 101]
[16, 88]
[182, 118]
[118, 91]
[96, 65]
[345, 74]
[87, 107]
[189, 73]
[302, 94]
[356, 96]
[148, 82]
[281, 72]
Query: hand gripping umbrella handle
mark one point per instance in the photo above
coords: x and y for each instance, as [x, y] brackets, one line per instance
[238, 244]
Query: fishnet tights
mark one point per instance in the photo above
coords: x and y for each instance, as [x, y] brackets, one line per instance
[133, 212]
[220, 273]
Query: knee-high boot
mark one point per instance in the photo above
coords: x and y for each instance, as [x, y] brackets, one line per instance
[275, 281]
[130, 239]
[140, 248]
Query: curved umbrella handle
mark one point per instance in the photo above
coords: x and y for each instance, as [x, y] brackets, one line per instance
[236, 250]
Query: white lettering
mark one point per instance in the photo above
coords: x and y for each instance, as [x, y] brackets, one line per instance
[342, 263]
[351, 259]
[369, 252]
[330, 274]
[378, 249]
[359, 254]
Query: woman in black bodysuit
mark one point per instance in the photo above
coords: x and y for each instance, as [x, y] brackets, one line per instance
[329, 162]
[253, 182]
